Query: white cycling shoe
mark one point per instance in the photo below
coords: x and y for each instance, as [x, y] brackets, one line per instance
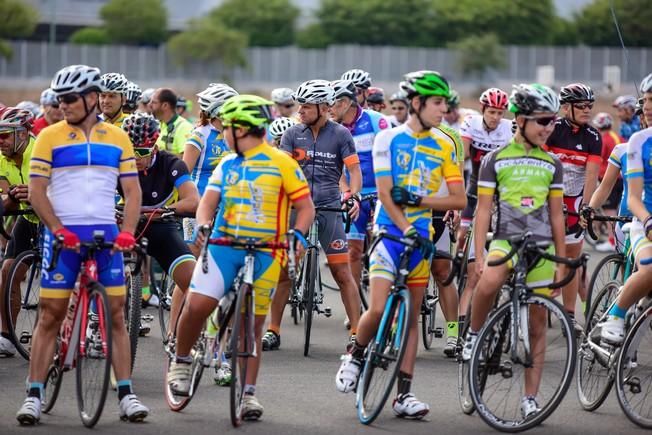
[347, 376]
[30, 413]
[132, 409]
[408, 406]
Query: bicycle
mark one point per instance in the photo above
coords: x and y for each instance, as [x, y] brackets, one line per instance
[431, 299]
[84, 340]
[503, 344]
[363, 286]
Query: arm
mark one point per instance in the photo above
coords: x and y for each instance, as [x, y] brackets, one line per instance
[634, 201]
[188, 198]
[7, 202]
[305, 214]
[384, 186]
[606, 185]
[467, 149]
[41, 203]
[207, 206]
[556, 204]
[591, 180]
[482, 220]
[133, 196]
[356, 178]
[456, 199]
[190, 156]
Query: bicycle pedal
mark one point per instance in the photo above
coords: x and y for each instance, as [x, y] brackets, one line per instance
[634, 384]
[327, 312]
[439, 332]
[147, 318]
[25, 338]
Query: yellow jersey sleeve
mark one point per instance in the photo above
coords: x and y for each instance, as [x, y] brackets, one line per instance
[294, 182]
[451, 168]
[41, 162]
[127, 158]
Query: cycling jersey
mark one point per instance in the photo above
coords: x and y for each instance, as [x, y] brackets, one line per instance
[575, 147]
[609, 141]
[14, 175]
[322, 159]
[117, 121]
[618, 158]
[174, 134]
[639, 162]
[456, 139]
[212, 148]
[39, 125]
[255, 193]
[83, 171]
[419, 162]
[627, 129]
[522, 181]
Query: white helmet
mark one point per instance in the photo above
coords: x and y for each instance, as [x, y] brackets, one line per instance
[282, 95]
[49, 98]
[343, 88]
[646, 84]
[115, 83]
[75, 79]
[360, 78]
[146, 95]
[31, 107]
[133, 93]
[279, 125]
[211, 99]
[315, 92]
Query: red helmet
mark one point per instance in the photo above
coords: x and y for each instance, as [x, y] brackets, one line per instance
[494, 97]
[376, 95]
[16, 118]
[142, 128]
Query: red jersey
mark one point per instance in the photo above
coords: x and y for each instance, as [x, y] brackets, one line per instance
[41, 123]
[609, 141]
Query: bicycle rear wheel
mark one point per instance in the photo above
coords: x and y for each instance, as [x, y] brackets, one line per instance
[634, 372]
[165, 288]
[383, 357]
[21, 307]
[51, 387]
[497, 380]
[610, 268]
[94, 356]
[466, 403]
[428, 314]
[595, 376]
[133, 306]
[241, 348]
[309, 298]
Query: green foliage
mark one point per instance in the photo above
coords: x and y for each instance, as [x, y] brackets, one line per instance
[268, 23]
[477, 54]
[596, 27]
[91, 36]
[312, 36]
[17, 20]
[205, 41]
[135, 22]
[564, 32]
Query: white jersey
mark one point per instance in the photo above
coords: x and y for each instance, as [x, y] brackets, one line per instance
[483, 141]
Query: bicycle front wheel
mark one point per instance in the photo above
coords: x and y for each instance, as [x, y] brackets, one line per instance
[242, 348]
[428, 314]
[610, 268]
[94, 355]
[499, 366]
[133, 307]
[383, 357]
[165, 288]
[309, 298]
[51, 387]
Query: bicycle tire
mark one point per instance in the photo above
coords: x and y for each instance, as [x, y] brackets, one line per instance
[610, 268]
[629, 365]
[463, 393]
[165, 288]
[175, 403]
[29, 299]
[91, 410]
[592, 367]
[133, 307]
[51, 388]
[496, 366]
[363, 287]
[389, 344]
[309, 299]
[428, 315]
[240, 337]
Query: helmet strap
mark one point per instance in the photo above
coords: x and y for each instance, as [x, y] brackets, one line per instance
[529, 142]
[422, 106]
[87, 111]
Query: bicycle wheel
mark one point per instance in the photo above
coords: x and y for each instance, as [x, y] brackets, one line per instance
[21, 307]
[466, 403]
[497, 377]
[634, 372]
[309, 298]
[383, 357]
[363, 287]
[610, 268]
[165, 287]
[594, 373]
[51, 387]
[241, 348]
[94, 356]
[428, 314]
[133, 307]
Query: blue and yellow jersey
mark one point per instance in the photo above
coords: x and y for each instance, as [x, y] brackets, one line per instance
[419, 162]
[212, 148]
[83, 171]
[117, 121]
[639, 162]
[618, 158]
[256, 190]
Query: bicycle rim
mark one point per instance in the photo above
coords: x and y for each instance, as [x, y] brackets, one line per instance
[466, 403]
[383, 358]
[175, 403]
[21, 308]
[497, 385]
[165, 287]
[51, 388]
[634, 372]
[595, 376]
[309, 299]
[239, 347]
[610, 268]
[94, 362]
[428, 314]
[133, 307]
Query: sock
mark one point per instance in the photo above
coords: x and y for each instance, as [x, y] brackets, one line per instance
[404, 383]
[357, 350]
[275, 329]
[146, 293]
[617, 311]
[35, 390]
[250, 389]
[583, 304]
[183, 359]
[354, 331]
[124, 388]
[452, 328]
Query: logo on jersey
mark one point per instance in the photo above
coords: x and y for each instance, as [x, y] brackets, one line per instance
[299, 174]
[232, 178]
[527, 202]
[58, 277]
[154, 194]
[382, 124]
[300, 155]
[338, 244]
[403, 159]
[72, 135]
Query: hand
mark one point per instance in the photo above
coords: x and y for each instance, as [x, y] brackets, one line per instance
[19, 192]
[201, 233]
[69, 239]
[125, 241]
[585, 211]
[648, 227]
[424, 244]
[402, 196]
[479, 264]
[351, 203]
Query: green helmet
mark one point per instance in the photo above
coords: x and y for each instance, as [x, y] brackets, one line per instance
[246, 111]
[427, 84]
[454, 99]
[534, 98]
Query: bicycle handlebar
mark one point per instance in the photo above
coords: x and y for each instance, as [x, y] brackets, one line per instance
[590, 216]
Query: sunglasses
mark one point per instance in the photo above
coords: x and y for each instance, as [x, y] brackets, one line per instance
[288, 106]
[398, 108]
[68, 98]
[6, 134]
[143, 152]
[583, 106]
[54, 106]
[544, 122]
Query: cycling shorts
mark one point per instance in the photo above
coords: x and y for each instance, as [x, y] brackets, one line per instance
[540, 274]
[331, 235]
[384, 261]
[441, 238]
[639, 241]
[24, 236]
[166, 245]
[58, 283]
[573, 204]
[220, 276]
[363, 223]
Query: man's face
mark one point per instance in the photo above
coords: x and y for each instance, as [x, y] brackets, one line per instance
[309, 113]
[492, 117]
[377, 107]
[53, 113]
[538, 128]
[399, 110]
[339, 109]
[73, 108]
[625, 113]
[285, 109]
[361, 94]
[144, 157]
[8, 138]
[582, 112]
[452, 115]
[180, 110]
[433, 111]
[111, 103]
[156, 107]
[647, 108]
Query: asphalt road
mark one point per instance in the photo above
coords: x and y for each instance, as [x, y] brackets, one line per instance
[298, 394]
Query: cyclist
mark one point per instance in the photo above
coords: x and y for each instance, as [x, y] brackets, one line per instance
[278, 127]
[323, 148]
[175, 129]
[603, 123]
[253, 189]
[283, 103]
[132, 95]
[411, 162]
[16, 144]
[30, 106]
[376, 99]
[364, 125]
[639, 200]
[73, 192]
[144, 100]
[51, 112]
[453, 118]
[481, 134]
[165, 184]
[362, 81]
[399, 105]
[629, 122]
[112, 98]
[529, 182]
[579, 147]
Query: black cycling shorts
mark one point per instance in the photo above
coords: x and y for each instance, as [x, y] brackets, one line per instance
[24, 237]
[166, 245]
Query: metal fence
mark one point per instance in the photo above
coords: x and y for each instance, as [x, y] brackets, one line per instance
[38, 61]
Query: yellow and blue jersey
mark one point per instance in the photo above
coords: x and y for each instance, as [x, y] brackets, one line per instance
[212, 148]
[639, 162]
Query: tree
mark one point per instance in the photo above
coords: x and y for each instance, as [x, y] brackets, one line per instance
[267, 23]
[135, 22]
[478, 54]
[204, 41]
[564, 32]
[91, 36]
[312, 36]
[595, 23]
[17, 20]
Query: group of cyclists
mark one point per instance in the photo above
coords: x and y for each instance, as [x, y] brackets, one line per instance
[253, 168]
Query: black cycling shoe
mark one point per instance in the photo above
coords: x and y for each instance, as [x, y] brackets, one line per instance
[271, 340]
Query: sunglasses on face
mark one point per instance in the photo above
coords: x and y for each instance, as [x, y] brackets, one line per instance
[545, 121]
[68, 98]
[288, 106]
[583, 106]
[6, 134]
[398, 109]
[143, 152]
